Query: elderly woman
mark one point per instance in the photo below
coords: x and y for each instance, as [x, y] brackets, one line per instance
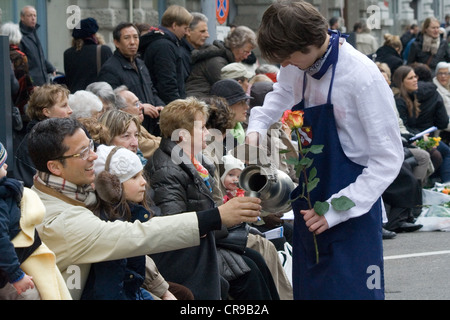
[428, 48]
[442, 82]
[182, 180]
[85, 104]
[208, 61]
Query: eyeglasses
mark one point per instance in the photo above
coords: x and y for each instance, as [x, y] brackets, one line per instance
[83, 155]
[443, 74]
[138, 104]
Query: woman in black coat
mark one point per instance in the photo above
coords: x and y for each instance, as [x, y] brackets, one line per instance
[83, 60]
[183, 182]
[389, 52]
[420, 107]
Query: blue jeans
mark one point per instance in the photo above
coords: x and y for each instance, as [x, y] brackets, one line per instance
[444, 170]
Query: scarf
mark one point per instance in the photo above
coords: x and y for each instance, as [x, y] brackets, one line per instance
[204, 174]
[83, 194]
[430, 44]
[321, 66]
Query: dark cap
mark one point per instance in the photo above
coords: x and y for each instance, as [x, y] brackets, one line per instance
[85, 29]
[229, 89]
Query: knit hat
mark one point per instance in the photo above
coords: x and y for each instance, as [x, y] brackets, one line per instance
[235, 70]
[230, 163]
[114, 166]
[229, 89]
[3, 155]
[85, 29]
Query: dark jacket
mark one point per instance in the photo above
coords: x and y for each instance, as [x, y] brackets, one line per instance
[432, 110]
[39, 67]
[118, 279]
[10, 196]
[118, 71]
[417, 55]
[162, 54]
[80, 67]
[390, 56]
[207, 64]
[179, 188]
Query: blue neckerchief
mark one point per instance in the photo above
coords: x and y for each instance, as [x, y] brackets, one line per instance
[321, 66]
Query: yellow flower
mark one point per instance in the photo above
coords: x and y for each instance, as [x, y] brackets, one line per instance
[294, 119]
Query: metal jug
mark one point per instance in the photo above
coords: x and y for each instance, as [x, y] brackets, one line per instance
[273, 187]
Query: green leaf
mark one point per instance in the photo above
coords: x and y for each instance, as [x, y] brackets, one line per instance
[342, 203]
[316, 149]
[306, 162]
[321, 207]
[292, 161]
[283, 151]
[312, 184]
[312, 174]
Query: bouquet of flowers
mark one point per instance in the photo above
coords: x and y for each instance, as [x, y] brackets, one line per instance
[428, 143]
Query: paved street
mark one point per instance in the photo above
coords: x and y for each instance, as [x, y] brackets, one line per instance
[417, 266]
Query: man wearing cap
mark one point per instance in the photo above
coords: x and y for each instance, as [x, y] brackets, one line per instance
[238, 72]
[64, 158]
[82, 61]
[236, 98]
[39, 67]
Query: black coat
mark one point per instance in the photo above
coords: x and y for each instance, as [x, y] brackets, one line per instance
[390, 56]
[80, 67]
[432, 109]
[161, 51]
[179, 188]
[39, 67]
[118, 71]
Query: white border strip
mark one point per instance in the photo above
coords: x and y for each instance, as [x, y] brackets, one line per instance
[413, 255]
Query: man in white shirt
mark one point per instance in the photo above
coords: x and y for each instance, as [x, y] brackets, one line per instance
[319, 69]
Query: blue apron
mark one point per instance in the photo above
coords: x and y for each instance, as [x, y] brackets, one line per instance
[350, 253]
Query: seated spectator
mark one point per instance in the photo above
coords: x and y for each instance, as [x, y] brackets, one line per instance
[389, 52]
[442, 82]
[236, 98]
[105, 92]
[85, 104]
[182, 180]
[83, 60]
[128, 102]
[208, 61]
[238, 72]
[420, 107]
[64, 158]
[27, 267]
[47, 101]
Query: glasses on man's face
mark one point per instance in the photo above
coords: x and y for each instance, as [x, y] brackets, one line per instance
[138, 104]
[83, 155]
[443, 74]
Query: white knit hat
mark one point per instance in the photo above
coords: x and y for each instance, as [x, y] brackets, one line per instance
[124, 163]
[230, 163]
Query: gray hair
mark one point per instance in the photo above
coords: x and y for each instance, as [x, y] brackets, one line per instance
[196, 18]
[442, 65]
[12, 30]
[104, 91]
[120, 101]
[84, 104]
[239, 37]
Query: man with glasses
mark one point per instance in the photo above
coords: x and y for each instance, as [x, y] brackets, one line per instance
[64, 159]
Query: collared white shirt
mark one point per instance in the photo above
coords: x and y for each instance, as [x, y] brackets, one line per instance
[366, 123]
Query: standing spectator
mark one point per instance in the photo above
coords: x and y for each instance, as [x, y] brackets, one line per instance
[125, 68]
[31, 45]
[389, 52]
[208, 61]
[82, 61]
[409, 35]
[365, 42]
[195, 38]
[428, 47]
[162, 53]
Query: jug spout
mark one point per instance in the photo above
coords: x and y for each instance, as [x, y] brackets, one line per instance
[273, 190]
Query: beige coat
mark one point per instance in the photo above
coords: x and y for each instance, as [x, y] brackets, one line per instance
[79, 238]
